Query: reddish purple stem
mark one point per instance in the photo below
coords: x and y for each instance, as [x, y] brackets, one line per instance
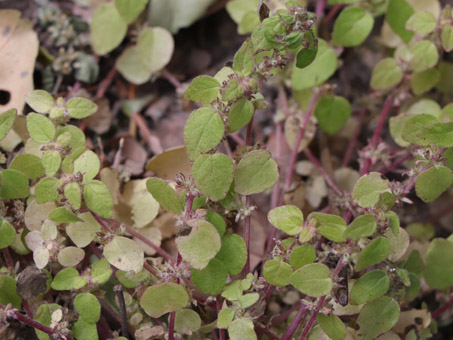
[296, 322]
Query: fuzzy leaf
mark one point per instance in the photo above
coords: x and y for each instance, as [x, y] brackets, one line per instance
[70, 256]
[203, 131]
[332, 326]
[13, 184]
[163, 298]
[213, 175]
[242, 329]
[362, 226]
[240, 115]
[187, 321]
[302, 255]
[225, 317]
[155, 47]
[68, 279]
[29, 165]
[124, 254]
[313, 280]
[352, 27]
[80, 108]
[255, 173]
[6, 122]
[233, 253]
[368, 189]
[39, 100]
[98, 199]
[88, 165]
[40, 128]
[212, 278]
[63, 215]
[433, 182]
[203, 89]
[370, 286]
[88, 307]
[438, 272]
[425, 55]
[46, 190]
[386, 74]
[165, 195]
[332, 113]
[277, 273]
[287, 218]
[375, 252]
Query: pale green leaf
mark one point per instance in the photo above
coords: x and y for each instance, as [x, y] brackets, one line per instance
[155, 47]
[70, 256]
[98, 199]
[302, 255]
[68, 279]
[39, 100]
[233, 253]
[6, 122]
[130, 9]
[332, 113]
[447, 38]
[313, 280]
[51, 160]
[422, 22]
[124, 254]
[130, 66]
[398, 13]
[386, 74]
[375, 252]
[438, 272]
[88, 307]
[240, 115]
[29, 165]
[13, 184]
[80, 108]
[7, 234]
[46, 190]
[433, 182]
[352, 27]
[187, 321]
[332, 326]
[242, 329]
[88, 164]
[425, 55]
[362, 226]
[63, 215]
[163, 298]
[287, 218]
[203, 89]
[368, 189]
[277, 273]
[165, 195]
[40, 128]
[73, 194]
[212, 278]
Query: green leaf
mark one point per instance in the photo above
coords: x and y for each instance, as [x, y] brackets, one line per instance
[362, 226]
[425, 55]
[29, 165]
[70, 256]
[213, 175]
[80, 108]
[200, 246]
[233, 253]
[277, 273]
[44, 316]
[398, 13]
[100, 271]
[332, 113]
[242, 329]
[155, 47]
[73, 194]
[68, 279]
[212, 278]
[440, 134]
[243, 59]
[63, 215]
[287, 218]
[439, 264]
[424, 81]
[46, 190]
[248, 300]
[307, 54]
[398, 243]
[232, 90]
[7, 119]
[83, 330]
[302, 255]
[447, 38]
[163, 298]
[130, 65]
[368, 189]
[330, 226]
[423, 22]
[204, 130]
[203, 89]
[98, 199]
[130, 9]
[352, 27]
[375, 252]
[433, 182]
[40, 128]
[377, 317]
[39, 100]
[13, 184]
[88, 307]
[313, 280]
[187, 321]
[51, 160]
[225, 317]
[332, 326]
[414, 126]
[369, 287]
[107, 29]
[386, 74]
[88, 164]
[7, 234]
[240, 115]
[324, 65]
[8, 292]
[165, 195]
[124, 254]
[217, 221]
[255, 173]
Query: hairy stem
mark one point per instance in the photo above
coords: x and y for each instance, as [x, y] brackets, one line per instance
[30, 322]
[171, 326]
[296, 322]
[438, 312]
[248, 201]
[122, 305]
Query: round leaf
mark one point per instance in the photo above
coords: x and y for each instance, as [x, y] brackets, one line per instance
[88, 165]
[369, 287]
[425, 55]
[255, 173]
[200, 246]
[376, 252]
[277, 273]
[98, 199]
[70, 256]
[332, 113]
[187, 321]
[130, 9]
[155, 47]
[332, 326]
[433, 182]
[313, 280]
[302, 255]
[29, 165]
[39, 100]
[46, 190]
[40, 128]
[204, 130]
[8, 292]
[352, 27]
[88, 307]
[203, 89]
[165, 195]
[164, 298]
[377, 317]
[211, 279]
[242, 329]
[130, 65]
[107, 29]
[124, 254]
[80, 108]
[287, 218]
[439, 264]
[233, 253]
[362, 226]
[213, 175]
[368, 189]
[13, 184]
[386, 74]
[68, 279]
[7, 234]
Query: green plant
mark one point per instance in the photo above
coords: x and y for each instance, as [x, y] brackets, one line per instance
[355, 269]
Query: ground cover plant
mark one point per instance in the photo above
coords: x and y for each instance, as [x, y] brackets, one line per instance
[294, 182]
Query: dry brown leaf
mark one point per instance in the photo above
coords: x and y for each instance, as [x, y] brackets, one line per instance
[151, 233]
[135, 156]
[9, 19]
[420, 318]
[100, 121]
[292, 127]
[166, 224]
[170, 163]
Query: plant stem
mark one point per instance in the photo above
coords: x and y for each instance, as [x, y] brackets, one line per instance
[142, 238]
[377, 133]
[265, 331]
[122, 305]
[171, 326]
[438, 312]
[353, 141]
[300, 136]
[171, 79]
[320, 4]
[35, 324]
[219, 308]
[248, 201]
[323, 172]
[335, 9]
[105, 83]
[27, 308]
[296, 322]
[8, 259]
[106, 326]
